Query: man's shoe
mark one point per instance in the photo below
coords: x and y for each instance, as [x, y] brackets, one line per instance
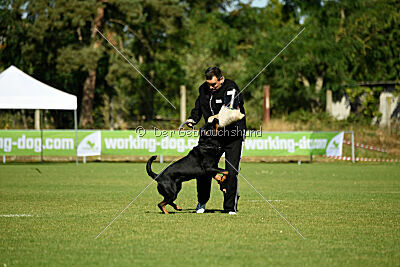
[232, 213]
[200, 208]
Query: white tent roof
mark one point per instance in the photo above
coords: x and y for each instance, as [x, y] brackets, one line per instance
[18, 90]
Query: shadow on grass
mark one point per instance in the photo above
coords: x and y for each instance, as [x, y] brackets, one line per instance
[185, 211]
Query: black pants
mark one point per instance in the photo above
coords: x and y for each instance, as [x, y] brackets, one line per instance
[233, 153]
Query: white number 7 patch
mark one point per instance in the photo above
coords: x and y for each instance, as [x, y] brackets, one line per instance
[232, 93]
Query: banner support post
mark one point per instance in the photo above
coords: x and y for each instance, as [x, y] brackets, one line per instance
[41, 135]
[352, 147]
[76, 136]
[266, 105]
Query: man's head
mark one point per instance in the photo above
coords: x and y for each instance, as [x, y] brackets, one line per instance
[214, 78]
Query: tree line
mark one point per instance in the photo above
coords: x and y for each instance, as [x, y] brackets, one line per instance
[172, 42]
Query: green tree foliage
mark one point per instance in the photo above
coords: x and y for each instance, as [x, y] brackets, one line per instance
[172, 42]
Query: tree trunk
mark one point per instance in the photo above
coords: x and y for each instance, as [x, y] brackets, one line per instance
[316, 99]
[24, 121]
[305, 81]
[318, 84]
[340, 33]
[87, 100]
[150, 101]
[86, 119]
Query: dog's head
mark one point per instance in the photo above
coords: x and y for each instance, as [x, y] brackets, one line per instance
[210, 126]
[209, 134]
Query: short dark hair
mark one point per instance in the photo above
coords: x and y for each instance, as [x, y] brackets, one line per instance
[213, 71]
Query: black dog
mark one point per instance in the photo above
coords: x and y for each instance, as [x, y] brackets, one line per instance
[202, 161]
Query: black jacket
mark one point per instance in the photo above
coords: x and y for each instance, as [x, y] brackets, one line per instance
[209, 103]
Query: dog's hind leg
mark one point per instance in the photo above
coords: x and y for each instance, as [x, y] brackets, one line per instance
[161, 206]
[178, 188]
[165, 192]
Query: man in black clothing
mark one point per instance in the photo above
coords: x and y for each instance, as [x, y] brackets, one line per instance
[215, 92]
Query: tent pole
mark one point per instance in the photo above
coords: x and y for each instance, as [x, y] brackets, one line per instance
[76, 136]
[41, 135]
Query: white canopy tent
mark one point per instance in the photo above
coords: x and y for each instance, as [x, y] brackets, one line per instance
[18, 90]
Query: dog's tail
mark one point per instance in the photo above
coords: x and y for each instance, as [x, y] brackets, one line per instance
[148, 167]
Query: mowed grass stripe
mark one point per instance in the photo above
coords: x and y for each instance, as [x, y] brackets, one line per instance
[349, 213]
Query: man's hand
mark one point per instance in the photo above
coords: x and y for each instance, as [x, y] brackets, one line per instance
[191, 123]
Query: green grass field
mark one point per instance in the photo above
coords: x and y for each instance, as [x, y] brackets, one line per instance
[349, 214]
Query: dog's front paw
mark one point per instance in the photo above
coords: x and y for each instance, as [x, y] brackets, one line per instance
[218, 178]
[224, 175]
[223, 178]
